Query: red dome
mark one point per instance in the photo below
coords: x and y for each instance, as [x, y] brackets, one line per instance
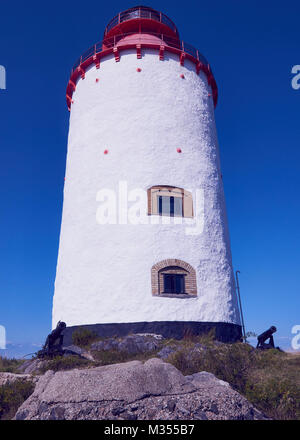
[140, 39]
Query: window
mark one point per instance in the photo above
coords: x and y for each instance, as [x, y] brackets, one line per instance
[173, 278]
[173, 283]
[170, 201]
[169, 205]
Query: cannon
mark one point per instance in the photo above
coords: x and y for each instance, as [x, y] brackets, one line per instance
[54, 342]
[261, 339]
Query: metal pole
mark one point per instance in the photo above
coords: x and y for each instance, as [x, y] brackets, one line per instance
[240, 303]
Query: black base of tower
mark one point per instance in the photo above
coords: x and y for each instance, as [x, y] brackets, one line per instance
[224, 331]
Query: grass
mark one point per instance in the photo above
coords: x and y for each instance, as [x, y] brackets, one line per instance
[83, 337]
[12, 396]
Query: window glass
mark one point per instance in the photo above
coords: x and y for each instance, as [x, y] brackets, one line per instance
[178, 206]
[173, 283]
[170, 201]
[169, 206]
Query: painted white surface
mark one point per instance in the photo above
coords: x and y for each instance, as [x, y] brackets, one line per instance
[104, 271]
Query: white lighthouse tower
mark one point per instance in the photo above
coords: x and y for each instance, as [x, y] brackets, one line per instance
[144, 243]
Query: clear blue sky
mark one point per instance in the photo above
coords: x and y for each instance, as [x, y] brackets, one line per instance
[252, 46]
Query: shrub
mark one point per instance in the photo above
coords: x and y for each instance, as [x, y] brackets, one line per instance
[229, 362]
[12, 395]
[60, 363]
[268, 379]
[83, 337]
[10, 365]
[279, 398]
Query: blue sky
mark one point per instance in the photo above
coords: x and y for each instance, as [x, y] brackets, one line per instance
[252, 46]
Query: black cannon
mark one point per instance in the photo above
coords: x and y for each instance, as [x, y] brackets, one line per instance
[261, 339]
[54, 342]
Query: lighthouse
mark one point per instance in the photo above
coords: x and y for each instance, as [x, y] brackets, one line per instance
[144, 243]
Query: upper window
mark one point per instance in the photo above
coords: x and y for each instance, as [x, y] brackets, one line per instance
[170, 201]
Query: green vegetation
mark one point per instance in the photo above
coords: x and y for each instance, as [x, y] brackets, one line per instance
[268, 379]
[60, 363]
[10, 365]
[84, 337]
[12, 395]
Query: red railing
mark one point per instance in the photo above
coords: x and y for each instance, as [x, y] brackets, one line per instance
[140, 12]
[164, 40]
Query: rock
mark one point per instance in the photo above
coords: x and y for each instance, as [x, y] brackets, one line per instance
[57, 413]
[165, 352]
[200, 415]
[107, 344]
[151, 335]
[183, 411]
[131, 344]
[25, 365]
[6, 378]
[204, 377]
[214, 408]
[75, 350]
[129, 416]
[134, 344]
[134, 390]
[117, 411]
[171, 404]
[32, 366]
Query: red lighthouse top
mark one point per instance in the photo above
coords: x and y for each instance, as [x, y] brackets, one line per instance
[141, 19]
[138, 28]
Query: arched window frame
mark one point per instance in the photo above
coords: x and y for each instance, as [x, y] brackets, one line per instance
[173, 266]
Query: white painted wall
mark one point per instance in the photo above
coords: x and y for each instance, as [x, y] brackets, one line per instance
[104, 271]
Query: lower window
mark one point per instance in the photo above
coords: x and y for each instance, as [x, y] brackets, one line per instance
[174, 283]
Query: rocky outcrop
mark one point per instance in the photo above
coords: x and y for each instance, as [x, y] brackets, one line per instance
[74, 350]
[131, 344]
[8, 378]
[32, 366]
[134, 390]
